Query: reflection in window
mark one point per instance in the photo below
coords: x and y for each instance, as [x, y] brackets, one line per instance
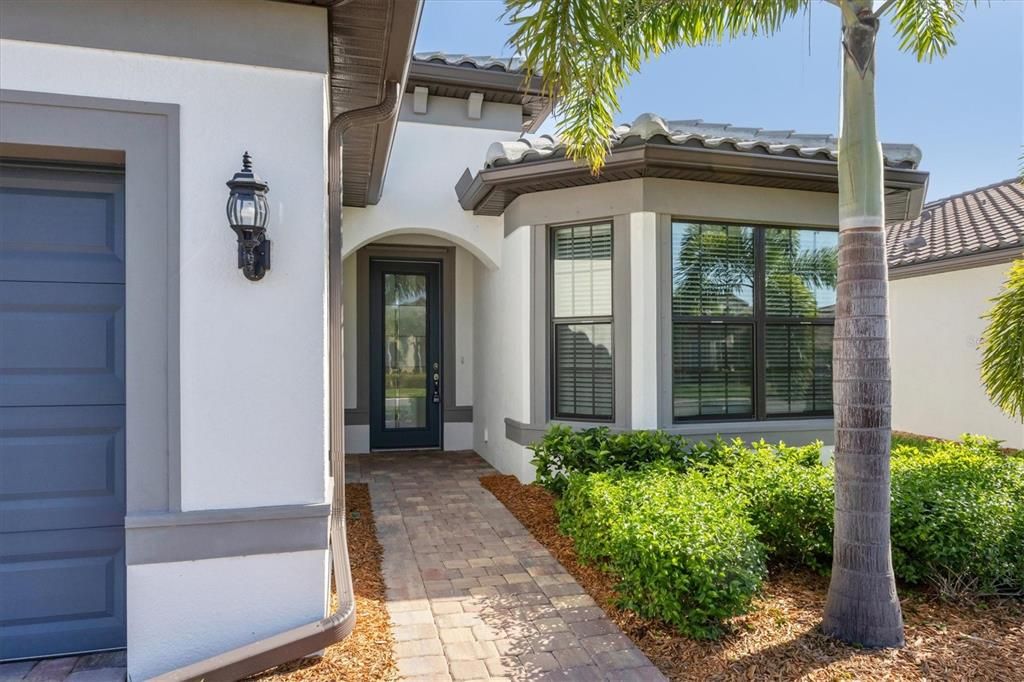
[405, 351]
[798, 369]
[800, 273]
[712, 270]
[734, 284]
[800, 302]
[581, 305]
[712, 370]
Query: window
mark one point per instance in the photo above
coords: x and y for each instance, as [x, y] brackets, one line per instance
[800, 303]
[581, 322]
[712, 321]
[752, 314]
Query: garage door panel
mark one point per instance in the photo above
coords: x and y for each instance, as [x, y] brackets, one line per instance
[61, 344]
[61, 467]
[61, 226]
[63, 592]
[62, 410]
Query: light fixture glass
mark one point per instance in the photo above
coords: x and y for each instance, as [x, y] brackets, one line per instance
[248, 214]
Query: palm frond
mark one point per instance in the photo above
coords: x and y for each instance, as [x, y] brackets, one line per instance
[586, 50]
[1002, 345]
[925, 27]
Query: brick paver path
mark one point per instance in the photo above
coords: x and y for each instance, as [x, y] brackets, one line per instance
[472, 595]
[104, 667]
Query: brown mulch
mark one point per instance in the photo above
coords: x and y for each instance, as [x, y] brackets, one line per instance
[779, 639]
[368, 654]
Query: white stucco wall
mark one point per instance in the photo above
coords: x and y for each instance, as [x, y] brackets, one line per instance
[419, 207]
[503, 377]
[936, 326]
[253, 399]
[253, 396]
[427, 160]
[230, 602]
[643, 318]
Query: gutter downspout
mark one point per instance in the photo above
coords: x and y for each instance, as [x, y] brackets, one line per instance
[312, 637]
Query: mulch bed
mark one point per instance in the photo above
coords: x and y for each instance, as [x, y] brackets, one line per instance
[779, 639]
[368, 654]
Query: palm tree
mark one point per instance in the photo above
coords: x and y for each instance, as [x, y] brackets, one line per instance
[585, 51]
[1002, 360]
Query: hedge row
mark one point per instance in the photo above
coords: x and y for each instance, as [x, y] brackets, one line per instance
[688, 531]
[676, 543]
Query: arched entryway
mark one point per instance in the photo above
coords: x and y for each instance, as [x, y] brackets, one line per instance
[409, 343]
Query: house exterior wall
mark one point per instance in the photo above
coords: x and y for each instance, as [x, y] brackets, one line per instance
[505, 374]
[419, 209]
[419, 196]
[251, 357]
[231, 601]
[936, 326]
[511, 396]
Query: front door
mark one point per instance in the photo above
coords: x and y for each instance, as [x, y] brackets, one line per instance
[405, 354]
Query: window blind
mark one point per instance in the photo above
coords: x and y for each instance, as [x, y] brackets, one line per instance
[583, 374]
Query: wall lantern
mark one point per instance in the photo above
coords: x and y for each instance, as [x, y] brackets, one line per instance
[248, 213]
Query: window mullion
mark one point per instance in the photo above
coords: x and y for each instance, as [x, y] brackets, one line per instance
[760, 363]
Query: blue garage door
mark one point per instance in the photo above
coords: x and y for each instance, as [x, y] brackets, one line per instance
[62, 410]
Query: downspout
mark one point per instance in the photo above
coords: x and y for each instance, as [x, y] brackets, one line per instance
[312, 637]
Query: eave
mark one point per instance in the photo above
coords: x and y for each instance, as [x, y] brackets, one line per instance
[371, 43]
[446, 80]
[491, 190]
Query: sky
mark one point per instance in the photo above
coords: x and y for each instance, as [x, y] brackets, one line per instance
[965, 112]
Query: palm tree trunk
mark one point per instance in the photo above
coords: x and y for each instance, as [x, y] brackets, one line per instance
[862, 605]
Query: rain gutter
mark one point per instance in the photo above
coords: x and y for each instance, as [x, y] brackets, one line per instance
[307, 639]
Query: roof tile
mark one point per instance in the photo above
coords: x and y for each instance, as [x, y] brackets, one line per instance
[507, 64]
[698, 133]
[980, 220]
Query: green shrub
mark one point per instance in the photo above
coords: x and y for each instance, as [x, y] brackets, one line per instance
[957, 512]
[787, 495]
[682, 549]
[921, 443]
[958, 517]
[563, 451]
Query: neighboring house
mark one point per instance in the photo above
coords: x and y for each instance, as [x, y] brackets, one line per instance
[166, 423]
[945, 266]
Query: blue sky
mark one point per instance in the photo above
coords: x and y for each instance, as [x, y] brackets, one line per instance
[965, 111]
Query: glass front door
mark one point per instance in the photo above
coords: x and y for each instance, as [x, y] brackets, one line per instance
[405, 384]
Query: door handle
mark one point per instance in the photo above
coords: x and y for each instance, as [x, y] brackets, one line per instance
[437, 383]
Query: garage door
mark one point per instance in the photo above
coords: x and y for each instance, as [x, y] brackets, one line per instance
[62, 410]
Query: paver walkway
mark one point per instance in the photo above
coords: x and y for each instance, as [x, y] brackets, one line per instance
[105, 667]
[472, 595]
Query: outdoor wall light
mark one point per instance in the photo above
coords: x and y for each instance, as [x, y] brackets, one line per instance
[248, 213]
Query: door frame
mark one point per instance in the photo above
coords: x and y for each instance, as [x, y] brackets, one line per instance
[357, 356]
[432, 434]
[59, 128]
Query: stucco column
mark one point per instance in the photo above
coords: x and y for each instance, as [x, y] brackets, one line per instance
[643, 288]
